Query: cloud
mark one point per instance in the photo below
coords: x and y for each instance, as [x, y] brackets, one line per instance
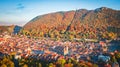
[20, 6]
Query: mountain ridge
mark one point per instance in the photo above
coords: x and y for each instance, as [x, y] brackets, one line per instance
[80, 21]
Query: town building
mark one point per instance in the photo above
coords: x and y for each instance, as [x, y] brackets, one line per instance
[61, 50]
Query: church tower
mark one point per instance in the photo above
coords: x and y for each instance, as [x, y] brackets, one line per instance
[65, 51]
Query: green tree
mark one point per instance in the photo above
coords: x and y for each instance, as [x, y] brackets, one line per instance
[95, 65]
[61, 62]
[25, 65]
[113, 59]
[51, 65]
[41, 34]
[39, 65]
[3, 65]
[7, 62]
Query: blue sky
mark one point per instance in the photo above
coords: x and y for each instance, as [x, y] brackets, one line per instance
[22, 11]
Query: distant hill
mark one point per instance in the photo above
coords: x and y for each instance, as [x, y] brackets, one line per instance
[80, 23]
[10, 29]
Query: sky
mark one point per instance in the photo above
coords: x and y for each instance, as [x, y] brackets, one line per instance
[19, 12]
